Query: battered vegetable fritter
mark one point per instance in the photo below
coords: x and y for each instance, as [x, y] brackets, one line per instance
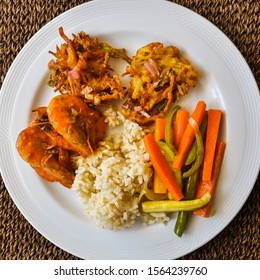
[159, 76]
[81, 68]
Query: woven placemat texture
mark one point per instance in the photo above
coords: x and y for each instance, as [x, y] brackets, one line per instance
[238, 19]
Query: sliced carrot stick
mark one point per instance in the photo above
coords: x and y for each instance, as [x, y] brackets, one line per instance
[161, 167]
[214, 117]
[179, 126]
[159, 129]
[188, 136]
[210, 186]
[158, 186]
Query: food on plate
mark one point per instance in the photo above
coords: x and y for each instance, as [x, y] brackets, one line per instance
[189, 135]
[162, 168]
[195, 164]
[59, 133]
[49, 160]
[210, 186]
[159, 76]
[41, 119]
[214, 118]
[176, 206]
[131, 175]
[110, 181]
[82, 126]
[81, 67]
[131, 170]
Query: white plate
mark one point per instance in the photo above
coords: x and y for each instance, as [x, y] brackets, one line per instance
[227, 83]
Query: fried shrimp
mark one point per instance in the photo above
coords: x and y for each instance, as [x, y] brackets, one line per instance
[58, 134]
[43, 154]
[81, 68]
[41, 119]
[159, 76]
[81, 126]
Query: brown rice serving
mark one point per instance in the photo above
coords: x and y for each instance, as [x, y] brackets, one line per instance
[109, 182]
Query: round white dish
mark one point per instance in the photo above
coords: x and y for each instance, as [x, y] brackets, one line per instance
[226, 83]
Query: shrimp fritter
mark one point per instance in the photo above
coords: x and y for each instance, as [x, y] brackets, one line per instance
[159, 76]
[81, 68]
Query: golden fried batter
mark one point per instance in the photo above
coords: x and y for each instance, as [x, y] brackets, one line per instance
[159, 76]
[81, 68]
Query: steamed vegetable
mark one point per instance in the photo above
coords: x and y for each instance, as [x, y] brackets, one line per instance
[199, 151]
[169, 156]
[175, 206]
[166, 150]
[214, 117]
[179, 126]
[151, 195]
[159, 129]
[188, 136]
[158, 185]
[181, 155]
[191, 156]
[159, 134]
[162, 167]
[210, 186]
[189, 191]
[169, 128]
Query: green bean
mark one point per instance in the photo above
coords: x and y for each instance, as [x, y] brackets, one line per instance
[189, 193]
[181, 222]
[168, 128]
[175, 206]
[191, 186]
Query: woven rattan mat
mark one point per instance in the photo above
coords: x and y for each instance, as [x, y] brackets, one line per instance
[238, 19]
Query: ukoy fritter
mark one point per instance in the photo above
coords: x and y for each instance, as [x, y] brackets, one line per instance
[159, 77]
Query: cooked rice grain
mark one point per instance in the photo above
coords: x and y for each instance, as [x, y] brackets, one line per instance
[110, 180]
